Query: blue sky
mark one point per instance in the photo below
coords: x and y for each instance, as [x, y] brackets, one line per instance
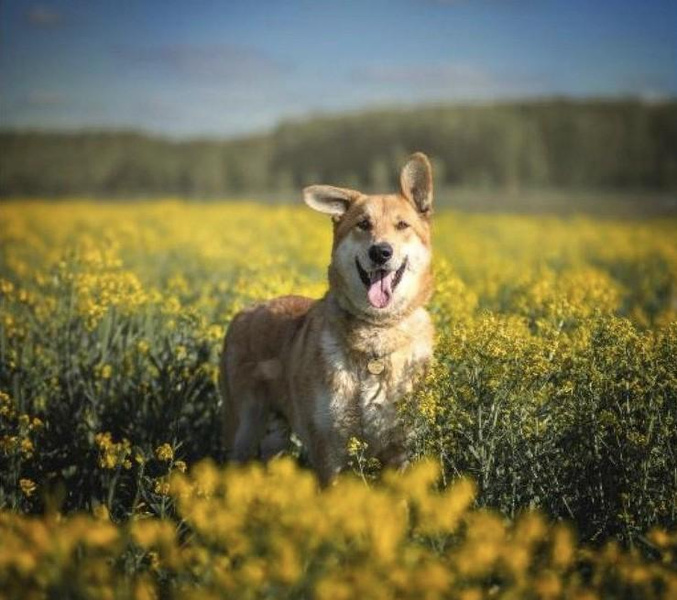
[202, 67]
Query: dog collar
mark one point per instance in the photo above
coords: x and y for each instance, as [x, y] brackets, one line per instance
[376, 366]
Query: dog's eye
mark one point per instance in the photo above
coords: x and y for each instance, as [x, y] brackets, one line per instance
[364, 224]
[402, 225]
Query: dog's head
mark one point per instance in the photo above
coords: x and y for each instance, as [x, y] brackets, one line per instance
[381, 254]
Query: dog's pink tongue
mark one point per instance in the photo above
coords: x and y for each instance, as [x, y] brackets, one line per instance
[381, 290]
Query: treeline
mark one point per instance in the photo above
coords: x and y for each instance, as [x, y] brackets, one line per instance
[611, 145]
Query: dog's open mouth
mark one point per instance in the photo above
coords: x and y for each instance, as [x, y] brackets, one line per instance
[380, 283]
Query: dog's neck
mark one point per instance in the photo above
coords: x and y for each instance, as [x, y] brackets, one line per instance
[367, 336]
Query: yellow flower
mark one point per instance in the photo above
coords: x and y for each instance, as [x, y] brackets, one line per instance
[27, 447]
[101, 512]
[144, 590]
[164, 452]
[150, 533]
[563, 548]
[162, 487]
[355, 447]
[27, 487]
[112, 454]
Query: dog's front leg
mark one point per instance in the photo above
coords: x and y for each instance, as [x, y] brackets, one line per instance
[395, 458]
[395, 454]
[324, 451]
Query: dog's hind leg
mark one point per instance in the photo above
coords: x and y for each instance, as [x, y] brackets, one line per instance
[276, 440]
[228, 418]
[252, 422]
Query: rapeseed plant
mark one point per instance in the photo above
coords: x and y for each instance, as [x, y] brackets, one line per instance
[543, 437]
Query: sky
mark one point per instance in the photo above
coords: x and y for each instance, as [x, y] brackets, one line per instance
[235, 67]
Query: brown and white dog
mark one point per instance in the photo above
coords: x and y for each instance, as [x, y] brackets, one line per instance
[335, 368]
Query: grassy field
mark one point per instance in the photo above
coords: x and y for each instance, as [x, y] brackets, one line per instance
[545, 438]
[624, 204]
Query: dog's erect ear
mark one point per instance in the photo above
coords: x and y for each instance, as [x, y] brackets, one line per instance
[416, 181]
[329, 199]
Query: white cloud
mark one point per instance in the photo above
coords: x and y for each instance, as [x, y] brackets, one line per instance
[223, 61]
[44, 98]
[43, 16]
[447, 80]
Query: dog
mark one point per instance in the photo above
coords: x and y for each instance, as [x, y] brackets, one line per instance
[335, 368]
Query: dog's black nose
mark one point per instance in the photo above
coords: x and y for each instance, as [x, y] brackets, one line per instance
[381, 253]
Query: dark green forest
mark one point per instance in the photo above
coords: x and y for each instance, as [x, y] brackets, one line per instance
[600, 145]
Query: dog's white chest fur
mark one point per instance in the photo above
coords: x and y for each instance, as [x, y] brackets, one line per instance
[359, 402]
[376, 400]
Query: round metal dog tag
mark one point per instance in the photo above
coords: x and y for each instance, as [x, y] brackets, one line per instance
[376, 366]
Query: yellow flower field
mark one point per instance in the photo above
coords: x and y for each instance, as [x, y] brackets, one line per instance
[545, 435]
